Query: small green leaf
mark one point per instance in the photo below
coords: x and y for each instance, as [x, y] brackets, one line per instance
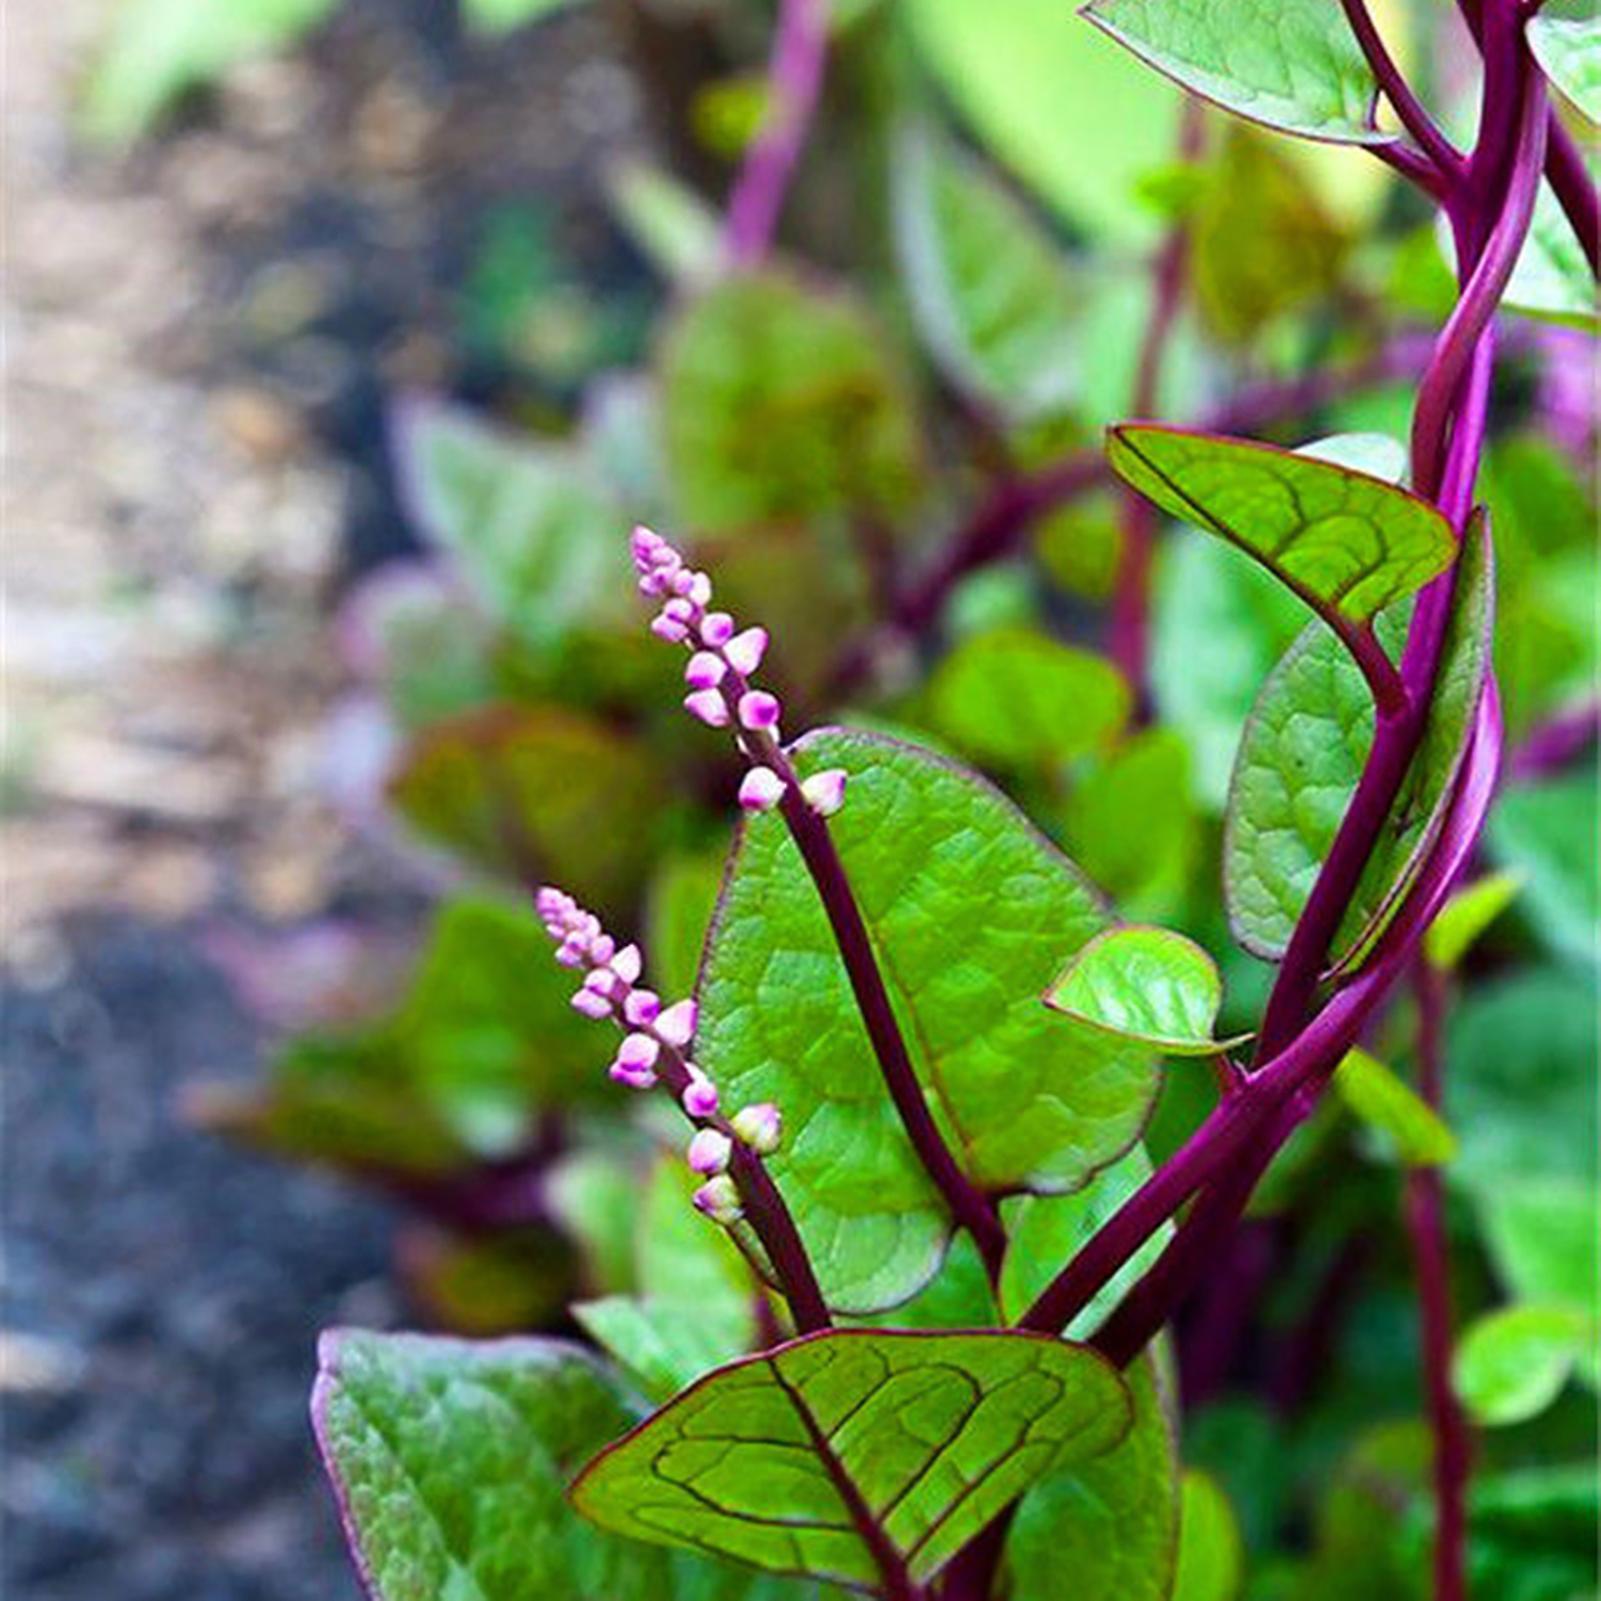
[1468, 913]
[1303, 751]
[592, 1195]
[1380, 1099]
[1023, 1101]
[1512, 1364]
[674, 228]
[1346, 542]
[449, 1460]
[1211, 1552]
[992, 294]
[1110, 1521]
[1019, 698]
[1552, 280]
[1293, 65]
[535, 537]
[1569, 52]
[666, 1344]
[1547, 834]
[781, 405]
[679, 907]
[1145, 984]
[1543, 1236]
[852, 1455]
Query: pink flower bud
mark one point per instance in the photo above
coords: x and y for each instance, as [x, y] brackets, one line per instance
[627, 964]
[745, 651]
[719, 1200]
[636, 1078]
[759, 1127]
[825, 792]
[705, 670]
[676, 1025]
[603, 982]
[709, 706]
[591, 1004]
[700, 1096]
[669, 628]
[572, 953]
[709, 1152]
[641, 1007]
[761, 790]
[638, 1051]
[758, 709]
[601, 948]
[716, 629]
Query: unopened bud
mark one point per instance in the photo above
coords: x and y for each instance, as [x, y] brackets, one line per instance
[744, 651]
[676, 1024]
[709, 1152]
[758, 709]
[700, 1096]
[761, 790]
[709, 706]
[719, 1200]
[760, 1127]
[825, 792]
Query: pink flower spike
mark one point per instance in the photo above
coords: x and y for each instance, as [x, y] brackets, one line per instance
[745, 651]
[759, 1127]
[758, 709]
[591, 1004]
[761, 790]
[717, 628]
[677, 1024]
[719, 1200]
[638, 1051]
[700, 1096]
[825, 792]
[705, 670]
[709, 706]
[641, 1007]
[627, 964]
[636, 1078]
[709, 1152]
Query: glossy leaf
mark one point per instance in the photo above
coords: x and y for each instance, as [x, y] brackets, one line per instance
[1468, 913]
[1388, 1104]
[665, 1345]
[970, 910]
[1569, 52]
[1293, 65]
[450, 1459]
[1512, 1364]
[992, 294]
[1346, 542]
[852, 1455]
[781, 405]
[1145, 984]
[1110, 1522]
[1019, 698]
[683, 896]
[1211, 1552]
[1302, 754]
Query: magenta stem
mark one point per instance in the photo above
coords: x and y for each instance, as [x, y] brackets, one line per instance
[1557, 743]
[794, 80]
[1393, 85]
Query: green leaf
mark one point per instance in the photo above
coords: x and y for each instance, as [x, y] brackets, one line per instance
[781, 405]
[849, 1454]
[592, 1195]
[1293, 65]
[1372, 1091]
[992, 294]
[535, 537]
[1045, 1232]
[1513, 1363]
[679, 1256]
[1040, 90]
[1145, 984]
[501, 16]
[1468, 913]
[957, 1297]
[666, 1345]
[1547, 834]
[969, 909]
[1543, 1236]
[674, 228]
[1302, 754]
[1346, 542]
[1021, 699]
[1569, 53]
[1552, 280]
[1211, 1552]
[1111, 1522]
[449, 1460]
[533, 793]
[682, 898]
[160, 50]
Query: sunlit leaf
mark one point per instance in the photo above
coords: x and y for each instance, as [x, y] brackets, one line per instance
[1543, 1236]
[1552, 279]
[671, 224]
[1390, 1105]
[1211, 1553]
[1569, 52]
[1512, 1364]
[856, 1455]
[666, 1344]
[1468, 913]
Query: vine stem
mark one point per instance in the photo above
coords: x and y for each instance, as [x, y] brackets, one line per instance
[794, 81]
[1438, 150]
[1425, 1222]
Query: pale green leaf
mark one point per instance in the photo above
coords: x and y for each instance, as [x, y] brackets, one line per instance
[1569, 52]
[1293, 65]
[1145, 984]
[783, 1459]
[969, 910]
[683, 895]
[1019, 698]
[666, 1345]
[1468, 913]
[1552, 280]
[676, 230]
[1374, 1093]
[501, 16]
[1512, 1364]
[1547, 833]
[1211, 1551]
[1543, 1236]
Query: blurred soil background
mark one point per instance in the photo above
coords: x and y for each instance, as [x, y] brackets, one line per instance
[200, 332]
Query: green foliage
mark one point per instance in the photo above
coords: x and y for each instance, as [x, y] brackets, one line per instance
[848, 1455]
[1569, 52]
[1409, 1125]
[664, 1345]
[1023, 1100]
[1211, 1553]
[1293, 65]
[501, 16]
[1511, 1365]
[670, 223]
[1552, 279]
[1546, 834]
[1145, 984]
[1468, 913]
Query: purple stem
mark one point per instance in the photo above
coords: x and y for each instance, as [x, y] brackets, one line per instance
[1414, 118]
[794, 79]
[1555, 744]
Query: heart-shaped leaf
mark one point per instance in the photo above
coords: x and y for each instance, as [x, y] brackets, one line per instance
[857, 1456]
[1569, 52]
[1346, 542]
[969, 909]
[1388, 1104]
[1145, 984]
[449, 1460]
[1293, 65]
[1512, 1363]
[1302, 753]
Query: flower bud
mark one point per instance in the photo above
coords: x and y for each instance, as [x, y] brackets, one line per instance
[676, 1024]
[709, 1152]
[706, 670]
[640, 1007]
[825, 792]
[636, 1078]
[628, 964]
[719, 1200]
[716, 629]
[709, 706]
[761, 790]
[744, 651]
[591, 1004]
[700, 1095]
[759, 1127]
[638, 1051]
[758, 709]
[669, 628]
